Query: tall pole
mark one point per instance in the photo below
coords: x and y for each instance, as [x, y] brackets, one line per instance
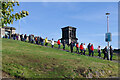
[108, 32]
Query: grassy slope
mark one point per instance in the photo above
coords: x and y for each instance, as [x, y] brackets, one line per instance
[115, 57]
[34, 61]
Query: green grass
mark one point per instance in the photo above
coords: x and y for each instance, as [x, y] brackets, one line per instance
[35, 61]
[115, 57]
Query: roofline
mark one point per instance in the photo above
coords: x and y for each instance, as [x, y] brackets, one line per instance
[68, 27]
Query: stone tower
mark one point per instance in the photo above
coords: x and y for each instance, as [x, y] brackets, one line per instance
[69, 34]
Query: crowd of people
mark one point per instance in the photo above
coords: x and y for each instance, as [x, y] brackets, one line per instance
[79, 49]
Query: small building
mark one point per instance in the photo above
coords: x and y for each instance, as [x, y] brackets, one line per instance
[69, 34]
[7, 31]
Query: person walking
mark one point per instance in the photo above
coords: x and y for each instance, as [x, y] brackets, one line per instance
[111, 53]
[21, 37]
[71, 46]
[63, 44]
[92, 50]
[29, 38]
[84, 48]
[46, 41]
[99, 51]
[105, 51]
[36, 41]
[25, 37]
[41, 41]
[52, 43]
[89, 45]
[81, 48]
[77, 47]
[58, 42]
[32, 38]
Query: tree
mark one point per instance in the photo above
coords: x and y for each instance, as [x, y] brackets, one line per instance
[6, 15]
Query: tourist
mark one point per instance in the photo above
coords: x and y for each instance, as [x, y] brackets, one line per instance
[52, 43]
[81, 48]
[32, 38]
[46, 41]
[111, 53]
[21, 37]
[36, 41]
[84, 48]
[77, 47]
[42, 42]
[25, 37]
[105, 51]
[63, 44]
[58, 42]
[29, 38]
[89, 45]
[92, 50]
[99, 51]
[17, 36]
[71, 46]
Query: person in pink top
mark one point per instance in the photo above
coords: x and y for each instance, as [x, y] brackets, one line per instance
[92, 50]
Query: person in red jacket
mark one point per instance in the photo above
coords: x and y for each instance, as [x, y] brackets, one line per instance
[92, 50]
[77, 47]
[58, 42]
[81, 48]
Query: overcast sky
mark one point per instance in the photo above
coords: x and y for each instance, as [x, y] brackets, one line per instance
[47, 18]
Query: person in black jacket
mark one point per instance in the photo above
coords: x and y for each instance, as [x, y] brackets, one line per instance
[89, 45]
[25, 37]
[63, 44]
[111, 53]
[71, 46]
[105, 51]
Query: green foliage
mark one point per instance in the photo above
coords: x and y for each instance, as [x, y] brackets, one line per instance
[7, 16]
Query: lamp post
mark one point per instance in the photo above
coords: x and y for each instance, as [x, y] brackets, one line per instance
[107, 35]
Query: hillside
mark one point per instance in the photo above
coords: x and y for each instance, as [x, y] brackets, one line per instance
[26, 60]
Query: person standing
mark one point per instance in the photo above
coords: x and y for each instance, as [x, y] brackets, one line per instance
[81, 48]
[84, 48]
[111, 53]
[58, 42]
[52, 43]
[46, 41]
[105, 51]
[99, 51]
[71, 46]
[89, 45]
[63, 44]
[77, 47]
[92, 50]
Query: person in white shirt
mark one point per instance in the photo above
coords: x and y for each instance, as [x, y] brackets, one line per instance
[99, 51]
[52, 43]
[84, 48]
